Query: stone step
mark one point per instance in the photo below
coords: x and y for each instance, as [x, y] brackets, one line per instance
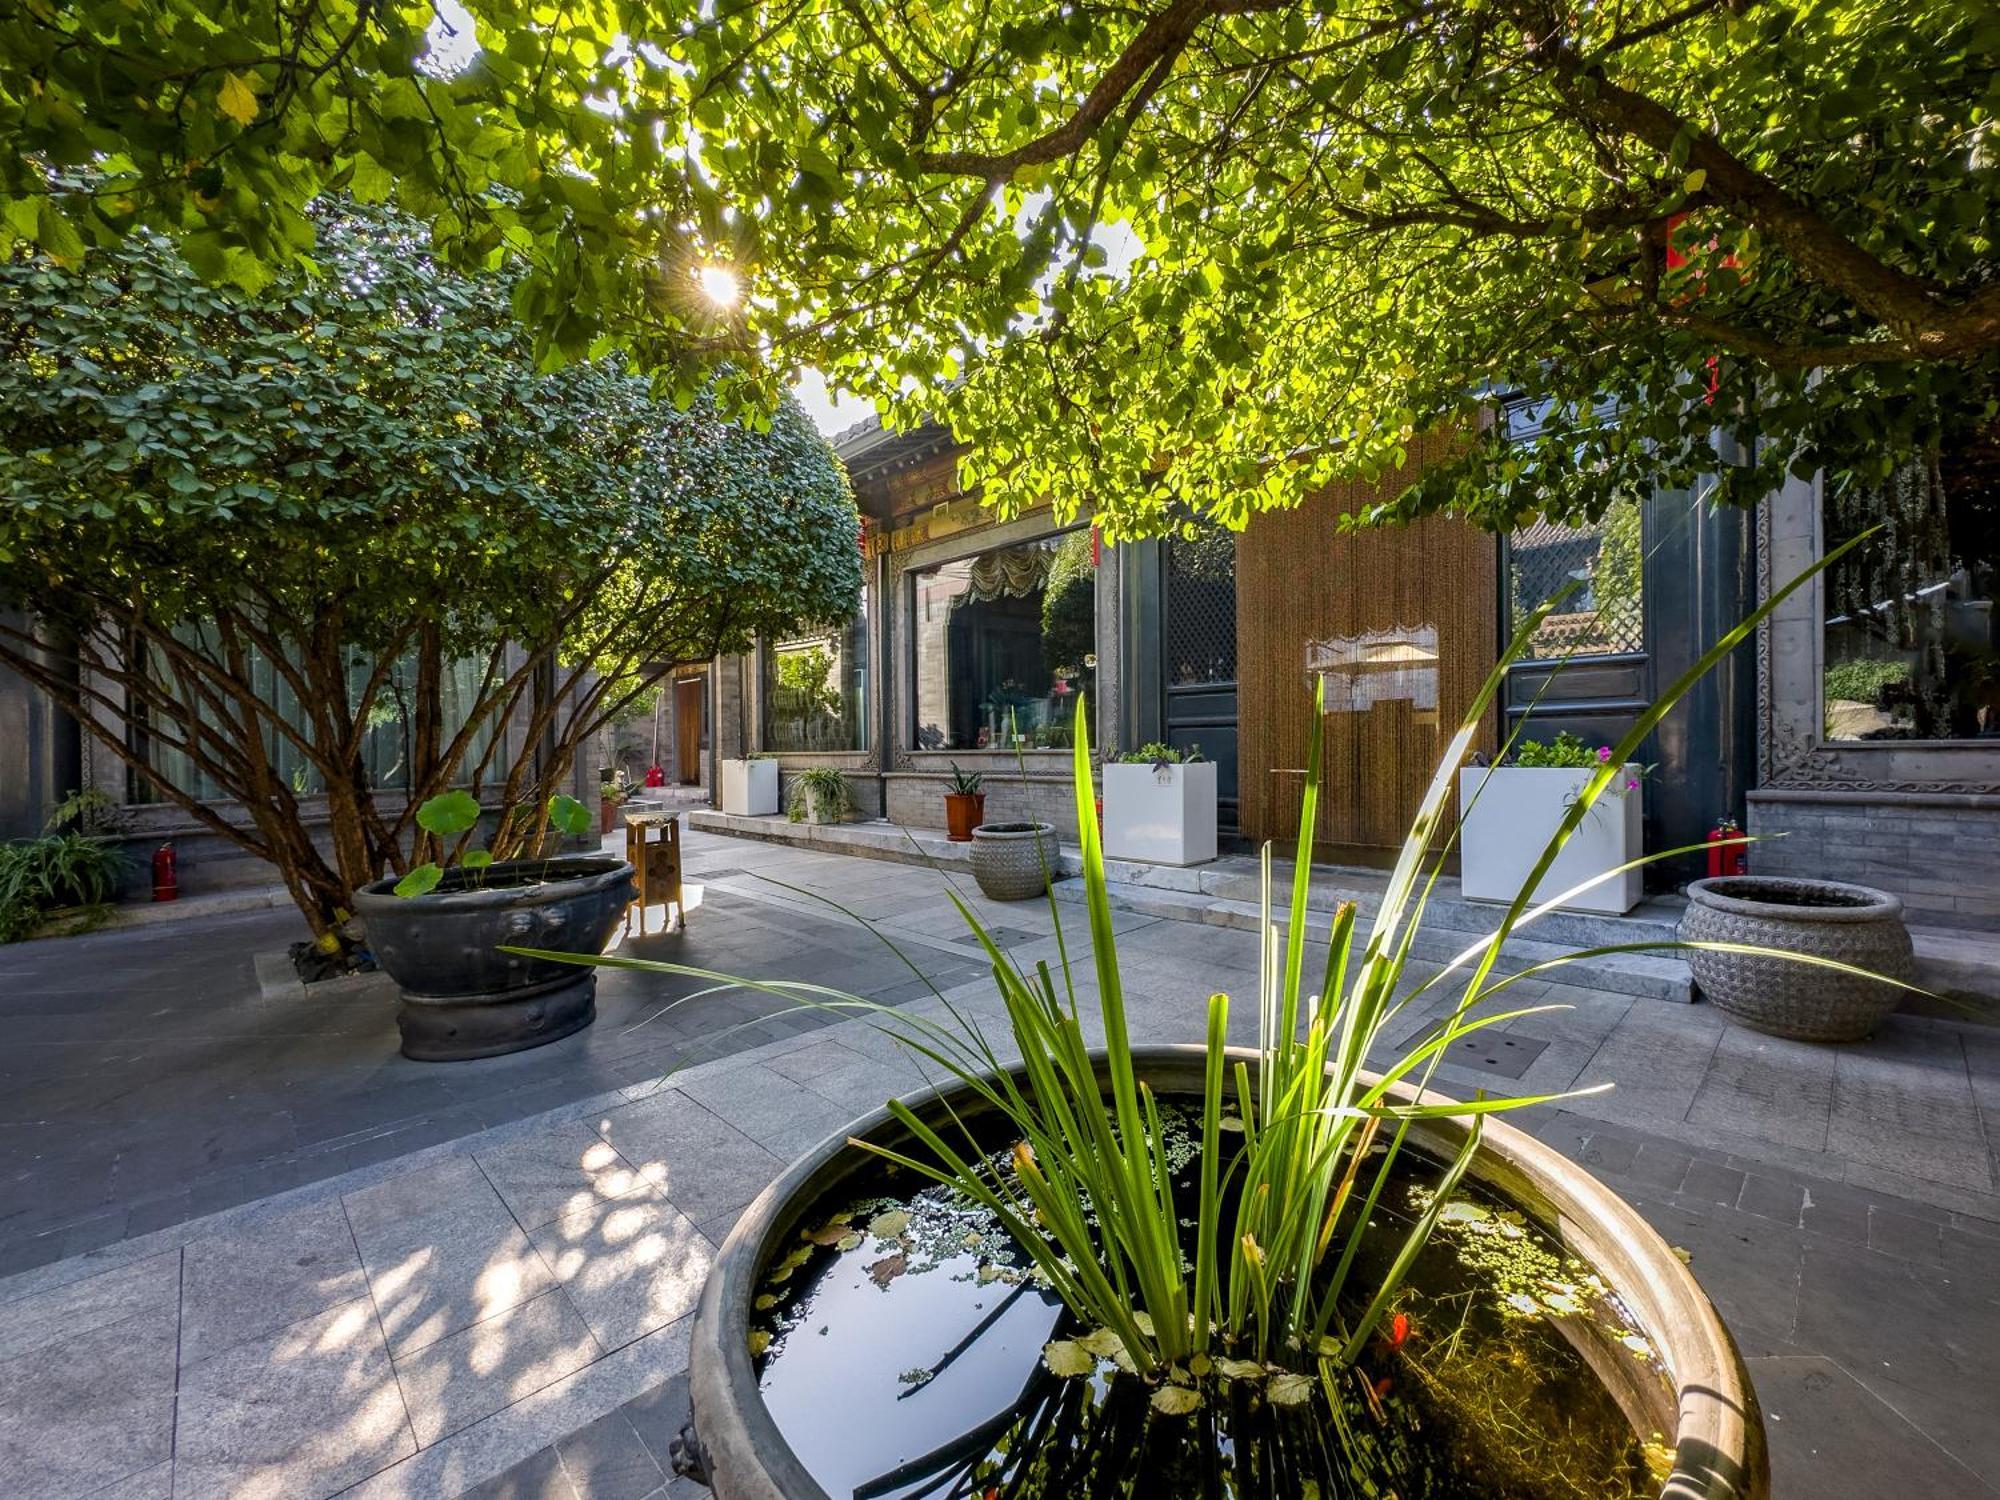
[1962, 966]
[874, 839]
[1237, 878]
[1654, 976]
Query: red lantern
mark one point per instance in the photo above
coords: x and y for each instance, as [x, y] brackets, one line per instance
[166, 880]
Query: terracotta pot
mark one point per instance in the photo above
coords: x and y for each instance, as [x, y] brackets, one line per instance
[607, 815]
[963, 812]
[1706, 1402]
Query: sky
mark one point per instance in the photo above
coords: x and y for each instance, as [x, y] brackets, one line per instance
[831, 411]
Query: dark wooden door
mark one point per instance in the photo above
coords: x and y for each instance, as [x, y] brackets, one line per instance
[688, 700]
[1400, 622]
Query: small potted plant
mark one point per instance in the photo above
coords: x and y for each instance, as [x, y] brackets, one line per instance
[750, 786]
[818, 794]
[613, 792]
[1159, 806]
[964, 805]
[1508, 813]
[438, 931]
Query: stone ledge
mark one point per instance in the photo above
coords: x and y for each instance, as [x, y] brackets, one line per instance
[877, 839]
[1829, 796]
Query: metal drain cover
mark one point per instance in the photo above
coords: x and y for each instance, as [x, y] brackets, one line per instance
[1496, 1052]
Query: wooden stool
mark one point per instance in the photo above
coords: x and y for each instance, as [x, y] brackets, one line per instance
[656, 865]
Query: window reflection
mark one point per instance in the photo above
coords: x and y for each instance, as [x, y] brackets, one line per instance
[1005, 643]
[1377, 668]
[816, 689]
[1912, 651]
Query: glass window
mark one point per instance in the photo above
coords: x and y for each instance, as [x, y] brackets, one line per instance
[816, 689]
[1199, 608]
[1005, 642]
[1601, 565]
[1912, 651]
[385, 747]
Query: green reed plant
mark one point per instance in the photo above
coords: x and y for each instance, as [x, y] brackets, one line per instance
[1298, 1138]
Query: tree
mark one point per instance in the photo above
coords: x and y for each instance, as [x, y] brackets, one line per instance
[1187, 255]
[271, 529]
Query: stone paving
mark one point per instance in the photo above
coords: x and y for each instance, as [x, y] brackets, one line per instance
[501, 1308]
[149, 1076]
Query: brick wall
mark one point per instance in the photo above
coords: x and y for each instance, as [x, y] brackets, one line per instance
[1940, 853]
[916, 800]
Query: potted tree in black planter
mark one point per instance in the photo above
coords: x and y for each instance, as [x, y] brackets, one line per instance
[438, 933]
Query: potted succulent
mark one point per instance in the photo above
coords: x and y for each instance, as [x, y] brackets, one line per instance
[1159, 806]
[818, 793]
[964, 805]
[1015, 861]
[1215, 1270]
[1507, 813]
[438, 932]
[750, 786]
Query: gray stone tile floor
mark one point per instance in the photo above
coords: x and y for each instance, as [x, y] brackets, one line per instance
[255, 1253]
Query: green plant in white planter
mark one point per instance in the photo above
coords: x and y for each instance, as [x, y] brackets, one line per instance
[819, 793]
[1510, 811]
[750, 786]
[1160, 806]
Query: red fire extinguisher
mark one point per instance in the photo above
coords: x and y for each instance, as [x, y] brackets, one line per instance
[166, 882]
[1727, 853]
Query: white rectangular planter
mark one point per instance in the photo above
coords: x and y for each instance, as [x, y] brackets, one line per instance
[1503, 833]
[1163, 815]
[750, 787]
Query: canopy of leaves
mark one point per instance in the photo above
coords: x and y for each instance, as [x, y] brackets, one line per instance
[264, 525]
[1189, 255]
[370, 448]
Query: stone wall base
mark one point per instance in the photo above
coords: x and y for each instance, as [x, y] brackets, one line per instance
[1939, 852]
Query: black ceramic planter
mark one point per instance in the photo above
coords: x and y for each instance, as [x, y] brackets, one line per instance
[463, 997]
[1705, 1405]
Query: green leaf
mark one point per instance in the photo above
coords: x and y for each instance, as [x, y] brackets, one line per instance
[449, 813]
[237, 99]
[477, 859]
[421, 880]
[1067, 1358]
[1289, 1388]
[56, 235]
[570, 817]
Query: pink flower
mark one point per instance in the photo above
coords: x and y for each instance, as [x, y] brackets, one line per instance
[1632, 785]
[1603, 754]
